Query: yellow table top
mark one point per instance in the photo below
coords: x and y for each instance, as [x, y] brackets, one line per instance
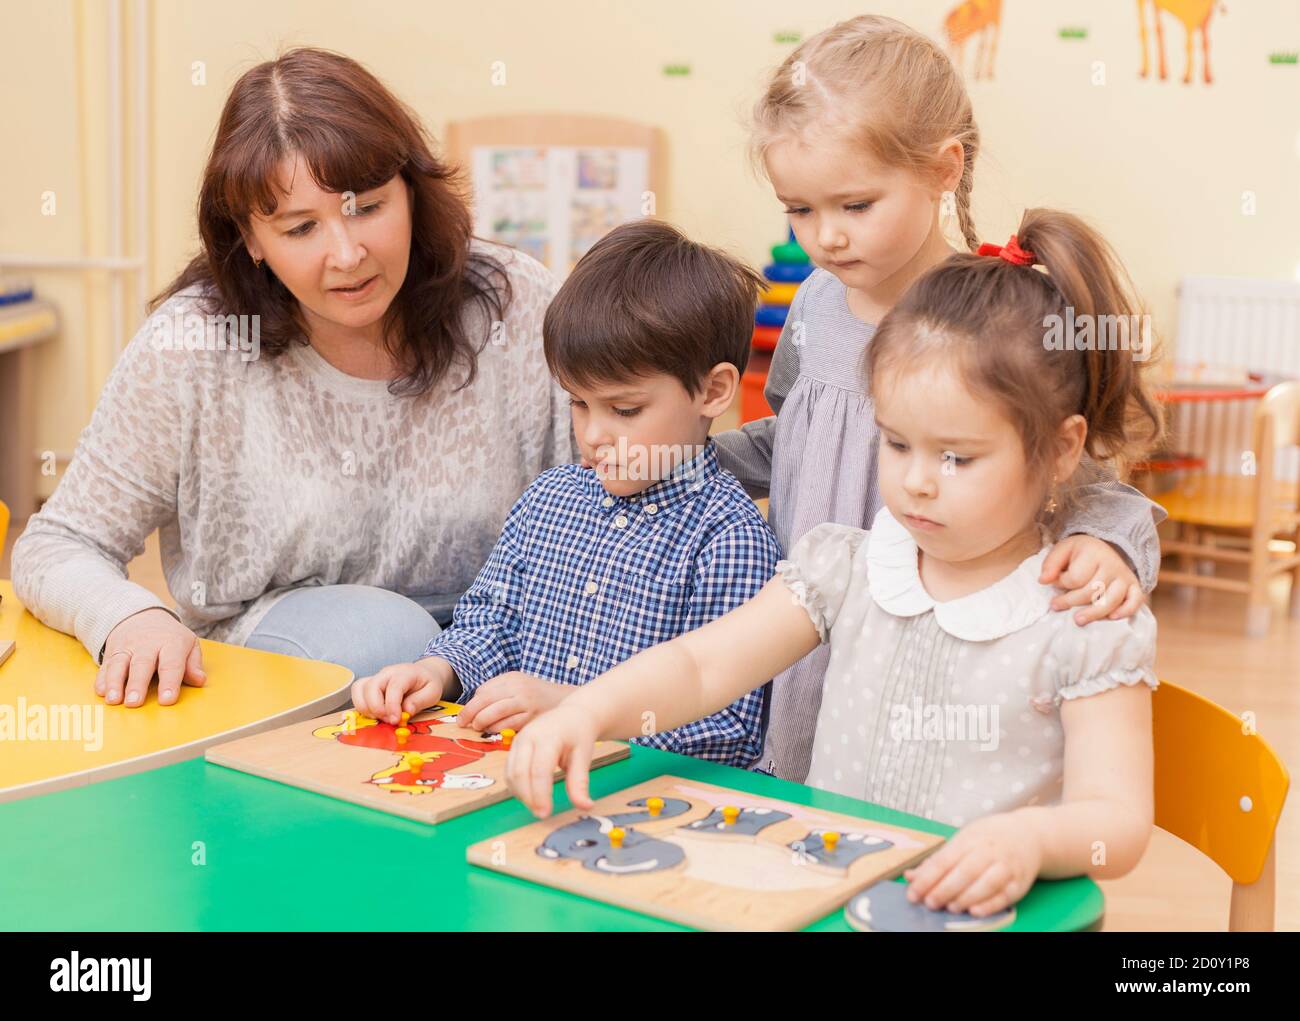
[55, 732]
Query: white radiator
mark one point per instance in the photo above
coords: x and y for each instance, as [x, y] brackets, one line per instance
[1228, 327]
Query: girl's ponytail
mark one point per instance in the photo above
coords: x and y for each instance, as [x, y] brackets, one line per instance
[1102, 318]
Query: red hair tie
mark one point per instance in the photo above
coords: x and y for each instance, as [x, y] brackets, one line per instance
[1011, 251]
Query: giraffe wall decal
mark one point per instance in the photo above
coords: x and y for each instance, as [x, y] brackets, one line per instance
[972, 17]
[1194, 14]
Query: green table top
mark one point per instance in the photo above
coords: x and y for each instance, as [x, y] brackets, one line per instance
[123, 855]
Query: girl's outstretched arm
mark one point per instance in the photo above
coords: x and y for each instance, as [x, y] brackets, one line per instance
[660, 688]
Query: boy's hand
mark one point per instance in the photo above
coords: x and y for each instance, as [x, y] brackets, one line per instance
[403, 686]
[511, 700]
[985, 867]
[561, 738]
[1092, 572]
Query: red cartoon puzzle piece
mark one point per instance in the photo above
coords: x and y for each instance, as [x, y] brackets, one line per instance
[421, 748]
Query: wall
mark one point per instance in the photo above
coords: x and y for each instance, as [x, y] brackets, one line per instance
[1160, 167]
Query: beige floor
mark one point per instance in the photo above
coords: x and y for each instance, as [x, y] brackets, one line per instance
[1202, 646]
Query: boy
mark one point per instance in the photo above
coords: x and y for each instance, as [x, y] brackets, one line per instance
[646, 537]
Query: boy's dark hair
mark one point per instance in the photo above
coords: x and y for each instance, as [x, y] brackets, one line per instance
[647, 299]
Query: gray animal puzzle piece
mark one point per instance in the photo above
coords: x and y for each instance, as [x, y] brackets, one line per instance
[749, 823]
[884, 907]
[672, 807]
[848, 849]
[587, 840]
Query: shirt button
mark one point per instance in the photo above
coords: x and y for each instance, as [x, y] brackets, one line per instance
[652, 508]
[620, 522]
[607, 502]
[590, 588]
[571, 662]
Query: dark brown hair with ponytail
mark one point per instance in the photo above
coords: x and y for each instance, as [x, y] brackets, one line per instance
[354, 135]
[1007, 330]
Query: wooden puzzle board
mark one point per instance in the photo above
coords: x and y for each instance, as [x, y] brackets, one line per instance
[769, 869]
[458, 770]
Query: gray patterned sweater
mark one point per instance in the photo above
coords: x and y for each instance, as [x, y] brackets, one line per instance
[268, 474]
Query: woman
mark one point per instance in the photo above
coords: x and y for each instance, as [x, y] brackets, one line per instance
[329, 474]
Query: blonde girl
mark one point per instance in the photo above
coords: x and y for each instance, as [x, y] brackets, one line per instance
[866, 134]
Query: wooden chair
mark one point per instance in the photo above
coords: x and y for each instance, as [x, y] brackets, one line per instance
[1259, 507]
[1220, 788]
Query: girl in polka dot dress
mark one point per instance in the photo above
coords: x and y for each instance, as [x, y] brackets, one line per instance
[954, 691]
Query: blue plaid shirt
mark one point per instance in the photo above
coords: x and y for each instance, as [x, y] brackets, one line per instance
[581, 580]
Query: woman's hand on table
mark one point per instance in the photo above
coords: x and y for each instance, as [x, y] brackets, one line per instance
[149, 643]
[562, 738]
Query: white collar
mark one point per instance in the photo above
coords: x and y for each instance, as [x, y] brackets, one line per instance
[1008, 605]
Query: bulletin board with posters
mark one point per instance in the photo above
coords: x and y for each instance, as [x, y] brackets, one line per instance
[552, 185]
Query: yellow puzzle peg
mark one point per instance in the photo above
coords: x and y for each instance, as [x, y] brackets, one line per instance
[406, 718]
[730, 814]
[656, 805]
[402, 734]
[507, 737]
[616, 838]
[829, 841]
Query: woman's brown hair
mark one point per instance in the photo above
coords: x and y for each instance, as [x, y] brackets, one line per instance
[354, 135]
[1013, 334]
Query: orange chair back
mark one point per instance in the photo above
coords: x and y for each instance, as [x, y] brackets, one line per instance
[1218, 785]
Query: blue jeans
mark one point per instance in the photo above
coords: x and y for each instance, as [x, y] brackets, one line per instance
[357, 626]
